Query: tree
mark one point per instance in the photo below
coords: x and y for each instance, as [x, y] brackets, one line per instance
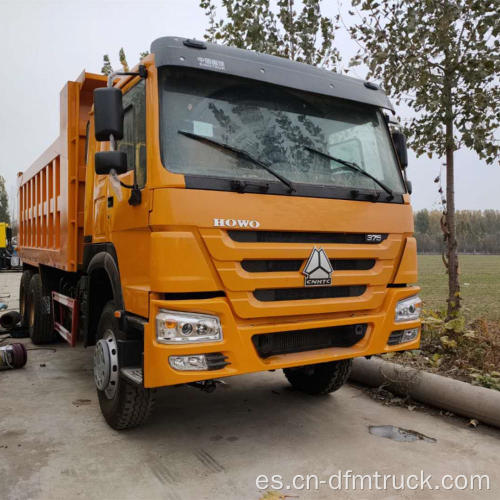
[422, 221]
[441, 57]
[123, 60]
[107, 68]
[4, 202]
[305, 36]
[477, 231]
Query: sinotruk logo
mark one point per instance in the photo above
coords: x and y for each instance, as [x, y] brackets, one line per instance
[318, 270]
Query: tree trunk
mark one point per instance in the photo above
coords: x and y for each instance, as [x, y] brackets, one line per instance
[452, 254]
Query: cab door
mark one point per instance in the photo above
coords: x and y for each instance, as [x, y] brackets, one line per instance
[129, 230]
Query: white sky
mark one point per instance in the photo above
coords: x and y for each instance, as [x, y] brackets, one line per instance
[44, 43]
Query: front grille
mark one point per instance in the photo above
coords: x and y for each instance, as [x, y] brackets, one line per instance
[328, 292]
[304, 237]
[269, 344]
[269, 266]
[216, 361]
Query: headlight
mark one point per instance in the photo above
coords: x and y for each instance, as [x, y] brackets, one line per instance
[176, 327]
[408, 309]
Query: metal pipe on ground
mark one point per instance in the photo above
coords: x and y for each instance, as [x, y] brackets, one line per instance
[458, 397]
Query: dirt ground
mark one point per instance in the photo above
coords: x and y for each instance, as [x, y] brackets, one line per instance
[54, 443]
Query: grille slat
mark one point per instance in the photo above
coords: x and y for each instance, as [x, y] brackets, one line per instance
[329, 292]
[303, 237]
[270, 344]
[275, 265]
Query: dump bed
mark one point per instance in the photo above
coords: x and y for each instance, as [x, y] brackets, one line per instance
[52, 190]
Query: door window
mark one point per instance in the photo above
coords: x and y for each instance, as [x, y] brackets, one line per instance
[134, 131]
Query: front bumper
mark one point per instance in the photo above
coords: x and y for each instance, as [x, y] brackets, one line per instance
[237, 344]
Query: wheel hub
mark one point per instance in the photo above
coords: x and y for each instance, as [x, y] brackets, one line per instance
[106, 364]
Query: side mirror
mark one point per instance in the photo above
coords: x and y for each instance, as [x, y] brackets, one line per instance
[105, 161]
[108, 113]
[409, 186]
[400, 144]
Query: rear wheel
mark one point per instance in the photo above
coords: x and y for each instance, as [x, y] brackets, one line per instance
[322, 378]
[24, 290]
[123, 404]
[41, 326]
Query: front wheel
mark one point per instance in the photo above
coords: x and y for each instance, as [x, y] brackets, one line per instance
[123, 404]
[321, 378]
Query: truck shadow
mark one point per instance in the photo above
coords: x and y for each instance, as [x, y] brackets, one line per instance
[256, 408]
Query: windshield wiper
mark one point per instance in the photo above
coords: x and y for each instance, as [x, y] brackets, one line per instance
[355, 167]
[242, 154]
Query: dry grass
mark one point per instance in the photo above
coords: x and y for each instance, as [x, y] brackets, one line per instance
[468, 348]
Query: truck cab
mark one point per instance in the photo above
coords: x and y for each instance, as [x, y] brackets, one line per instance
[241, 213]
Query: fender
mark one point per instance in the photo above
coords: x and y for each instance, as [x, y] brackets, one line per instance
[104, 260]
[99, 259]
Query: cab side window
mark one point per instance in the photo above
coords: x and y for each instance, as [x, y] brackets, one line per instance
[134, 130]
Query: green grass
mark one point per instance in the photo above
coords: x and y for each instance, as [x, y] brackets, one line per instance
[479, 280]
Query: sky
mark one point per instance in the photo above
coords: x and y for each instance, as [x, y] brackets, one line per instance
[44, 43]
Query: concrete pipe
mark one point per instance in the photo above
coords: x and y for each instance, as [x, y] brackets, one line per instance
[458, 397]
[10, 320]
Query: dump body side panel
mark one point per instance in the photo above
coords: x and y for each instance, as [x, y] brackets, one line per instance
[52, 190]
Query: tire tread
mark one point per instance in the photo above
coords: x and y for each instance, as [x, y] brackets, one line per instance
[132, 404]
[24, 290]
[326, 377]
[43, 328]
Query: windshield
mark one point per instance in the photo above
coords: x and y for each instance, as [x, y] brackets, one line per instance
[275, 125]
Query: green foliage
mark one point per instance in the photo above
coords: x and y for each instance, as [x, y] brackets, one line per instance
[276, 28]
[123, 60]
[477, 231]
[440, 58]
[488, 380]
[471, 354]
[4, 202]
[106, 69]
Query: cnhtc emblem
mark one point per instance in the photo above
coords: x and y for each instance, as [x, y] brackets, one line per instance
[318, 270]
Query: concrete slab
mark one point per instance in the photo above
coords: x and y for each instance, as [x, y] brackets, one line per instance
[54, 443]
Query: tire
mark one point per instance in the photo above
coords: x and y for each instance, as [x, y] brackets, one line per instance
[40, 324]
[322, 378]
[24, 292]
[131, 404]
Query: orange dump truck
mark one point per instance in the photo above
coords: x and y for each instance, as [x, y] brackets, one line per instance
[215, 212]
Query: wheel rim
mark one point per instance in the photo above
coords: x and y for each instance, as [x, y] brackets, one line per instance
[106, 364]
